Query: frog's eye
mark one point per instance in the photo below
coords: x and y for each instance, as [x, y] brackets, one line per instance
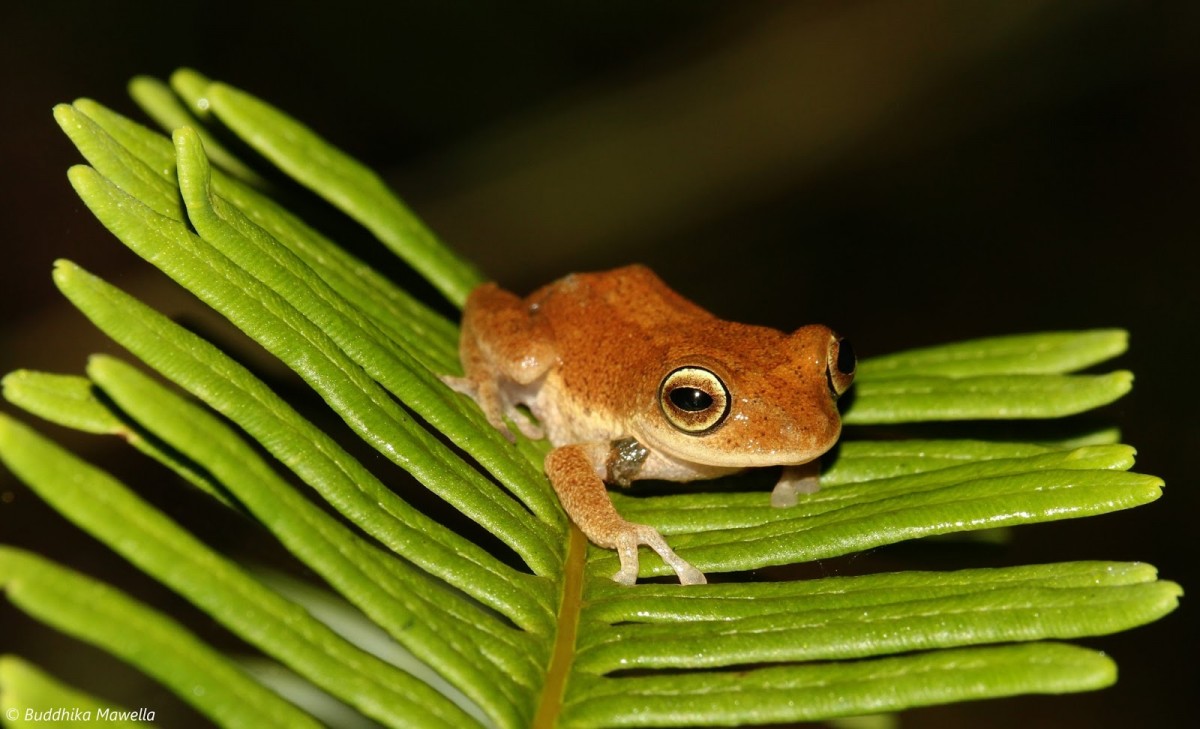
[693, 399]
[840, 364]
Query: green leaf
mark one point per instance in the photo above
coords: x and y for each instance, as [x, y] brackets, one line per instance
[71, 401]
[397, 368]
[391, 308]
[839, 618]
[1003, 397]
[346, 183]
[745, 532]
[864, 460]
[438, 625]
[418, 625]
[68, 400]
[1047, 353]
[153, 187]
[820, 691]
[30, 697]
[98, 614]
[108, 511]
[1014, 377]
[311, 351]
[168, 111]
[233, 391]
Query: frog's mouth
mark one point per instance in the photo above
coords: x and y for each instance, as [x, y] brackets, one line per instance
[728, 449]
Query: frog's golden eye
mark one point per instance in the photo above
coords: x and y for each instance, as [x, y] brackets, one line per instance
[840, 366]
[693, 399]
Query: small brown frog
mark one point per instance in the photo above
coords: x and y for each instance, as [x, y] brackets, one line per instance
[629, 380]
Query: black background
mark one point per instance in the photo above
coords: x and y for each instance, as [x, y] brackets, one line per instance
[907, 172]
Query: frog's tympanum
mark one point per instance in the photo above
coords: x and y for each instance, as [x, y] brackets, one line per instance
[629, 380]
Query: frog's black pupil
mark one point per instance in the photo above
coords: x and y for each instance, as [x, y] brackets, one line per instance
[691, 399]
[845, 360]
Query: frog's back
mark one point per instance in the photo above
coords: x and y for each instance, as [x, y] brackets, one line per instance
[632, 296]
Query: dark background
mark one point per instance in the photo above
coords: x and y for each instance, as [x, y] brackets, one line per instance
[908, 172]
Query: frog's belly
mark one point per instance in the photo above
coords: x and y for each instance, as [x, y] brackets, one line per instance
[566, 418]
[660, 466]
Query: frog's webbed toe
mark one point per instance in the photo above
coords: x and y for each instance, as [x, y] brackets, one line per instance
[465, 385]
[524, 423]
[795, 480]
[627, 549]
[487, 396]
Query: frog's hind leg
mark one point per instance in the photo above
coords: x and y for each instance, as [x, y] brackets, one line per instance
[501, 340]
[581, 492]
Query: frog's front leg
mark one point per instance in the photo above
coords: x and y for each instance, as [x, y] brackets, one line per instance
[575, 472]
[802, 479]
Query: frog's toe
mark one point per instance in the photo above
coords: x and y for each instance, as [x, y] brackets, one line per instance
[521, 419]
[627, 550]
[496, 420]
[465, 385]
[627, 575]
[528, 428]
[783, 496]
[793, 481]
[688, 575]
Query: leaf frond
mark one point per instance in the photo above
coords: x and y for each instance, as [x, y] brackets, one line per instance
[539, 636]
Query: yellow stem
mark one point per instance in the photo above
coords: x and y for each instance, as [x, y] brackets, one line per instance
[550, 705]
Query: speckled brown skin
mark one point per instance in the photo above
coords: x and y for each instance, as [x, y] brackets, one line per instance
[597, 357]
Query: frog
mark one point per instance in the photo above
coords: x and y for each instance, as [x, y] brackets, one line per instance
[629, 380]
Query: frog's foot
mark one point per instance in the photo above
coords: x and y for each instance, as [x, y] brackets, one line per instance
[495, 408]
[465, 385]
[627, 549]
[487, 397]
[574, 472]
[803, 479]
[524, 423]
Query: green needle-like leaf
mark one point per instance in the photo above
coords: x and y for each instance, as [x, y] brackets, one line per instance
[997, 378]
[165, 108]
[948, 612]
[100, 615]
[810, 692]
[660, 603]
[391, 308]
[28, 695]
[396, 368]
[230, 389]
[71, 401]
[315, 356]
[865, 460]
[917, 399]
[1047, 353]
[347, 184]
[155, 189]
[747, 533]
[159, 547]
[438, 625]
